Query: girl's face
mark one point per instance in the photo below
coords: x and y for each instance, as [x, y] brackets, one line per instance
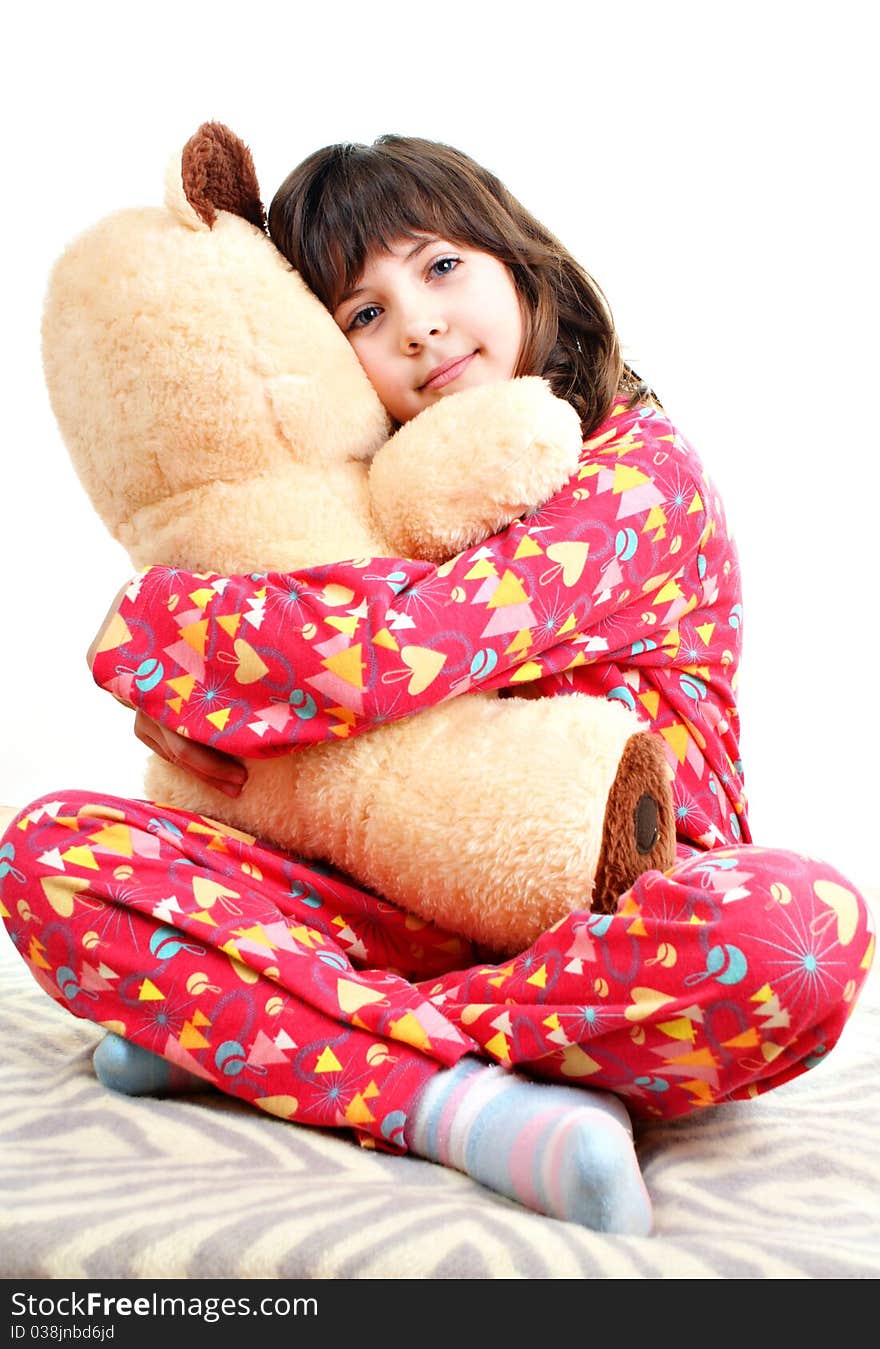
[429, 318]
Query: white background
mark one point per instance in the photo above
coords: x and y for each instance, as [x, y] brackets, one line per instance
[713, 165]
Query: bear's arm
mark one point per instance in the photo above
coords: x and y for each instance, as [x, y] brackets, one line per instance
[471, 464]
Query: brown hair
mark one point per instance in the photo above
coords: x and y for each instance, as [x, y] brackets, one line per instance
[345, 201]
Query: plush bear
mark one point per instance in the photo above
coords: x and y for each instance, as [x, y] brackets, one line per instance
[220, 422]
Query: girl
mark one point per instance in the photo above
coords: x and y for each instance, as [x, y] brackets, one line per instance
[287, 986]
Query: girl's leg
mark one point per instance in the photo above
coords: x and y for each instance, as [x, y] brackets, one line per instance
[717, 981]
[233, 962]
[245, 970]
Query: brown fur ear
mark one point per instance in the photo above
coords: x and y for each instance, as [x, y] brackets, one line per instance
[218, 175]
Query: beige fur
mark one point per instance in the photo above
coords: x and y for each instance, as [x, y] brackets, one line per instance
[220, 421]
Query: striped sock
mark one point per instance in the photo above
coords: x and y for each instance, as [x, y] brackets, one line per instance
[563, 1151]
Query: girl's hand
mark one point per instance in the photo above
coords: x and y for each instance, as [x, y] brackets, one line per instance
[222, 771]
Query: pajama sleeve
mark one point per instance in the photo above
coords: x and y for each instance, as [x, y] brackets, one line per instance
[261, 664]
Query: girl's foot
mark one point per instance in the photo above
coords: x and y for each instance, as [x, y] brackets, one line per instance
[563, 1151]
[135, 1071]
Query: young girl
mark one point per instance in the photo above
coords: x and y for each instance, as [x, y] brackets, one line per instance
[213, 957]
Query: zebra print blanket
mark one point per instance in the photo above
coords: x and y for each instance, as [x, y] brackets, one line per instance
[96, 1185]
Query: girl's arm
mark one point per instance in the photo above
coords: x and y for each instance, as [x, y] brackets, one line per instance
[255, 665]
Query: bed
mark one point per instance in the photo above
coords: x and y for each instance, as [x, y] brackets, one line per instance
[101, 1186]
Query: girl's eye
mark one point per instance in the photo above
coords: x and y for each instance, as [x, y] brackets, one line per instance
[364, 316]
[443, 266]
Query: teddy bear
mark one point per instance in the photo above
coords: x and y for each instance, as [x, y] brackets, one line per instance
[220, 422]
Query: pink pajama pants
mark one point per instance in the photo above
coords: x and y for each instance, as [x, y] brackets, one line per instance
[285, 985]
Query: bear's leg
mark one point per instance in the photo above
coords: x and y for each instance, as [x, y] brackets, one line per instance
[638, 832]
[492, 817]
[487, 816]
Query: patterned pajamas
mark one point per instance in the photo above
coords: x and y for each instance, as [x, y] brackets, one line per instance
[285, 984]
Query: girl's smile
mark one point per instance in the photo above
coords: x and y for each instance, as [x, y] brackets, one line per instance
[447, 372]
[428, 317]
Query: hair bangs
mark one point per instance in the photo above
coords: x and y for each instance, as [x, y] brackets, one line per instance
[358, 202]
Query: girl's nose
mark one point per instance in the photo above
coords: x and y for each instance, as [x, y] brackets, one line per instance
[417, 329]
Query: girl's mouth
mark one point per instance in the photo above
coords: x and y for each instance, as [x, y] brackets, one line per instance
[448, 371]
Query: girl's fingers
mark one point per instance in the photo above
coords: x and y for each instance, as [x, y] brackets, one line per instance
[219, 770]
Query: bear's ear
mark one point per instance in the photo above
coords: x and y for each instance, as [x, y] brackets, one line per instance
[217, 174]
